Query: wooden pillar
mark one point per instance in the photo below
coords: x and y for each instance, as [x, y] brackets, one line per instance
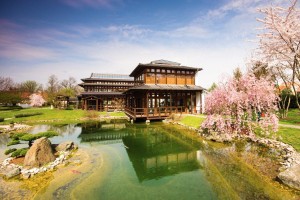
[146, 106]
[85, 104]
[97, 107]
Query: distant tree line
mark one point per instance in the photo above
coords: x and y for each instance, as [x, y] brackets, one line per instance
[12, 92]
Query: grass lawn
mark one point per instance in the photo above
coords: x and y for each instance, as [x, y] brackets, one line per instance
[192, 121]
[293, 117]
[290, 136]
[61, 116]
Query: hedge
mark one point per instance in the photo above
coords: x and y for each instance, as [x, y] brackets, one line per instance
[27, 114]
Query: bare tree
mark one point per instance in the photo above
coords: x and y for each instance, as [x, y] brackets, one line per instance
[280, 41]
[6, 83]
[69, 87]
[30, 86]
[53, 84]
[52, 88]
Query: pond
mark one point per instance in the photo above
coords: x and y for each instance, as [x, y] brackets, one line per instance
[159, 161]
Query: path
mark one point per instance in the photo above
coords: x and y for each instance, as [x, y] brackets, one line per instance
[290, 126]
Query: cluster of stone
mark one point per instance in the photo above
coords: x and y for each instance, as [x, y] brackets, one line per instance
[288, 156]
[60, 160]
[9, 169]
[39, 158]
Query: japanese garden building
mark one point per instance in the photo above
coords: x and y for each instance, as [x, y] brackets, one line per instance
[104, 92]
[152, 91]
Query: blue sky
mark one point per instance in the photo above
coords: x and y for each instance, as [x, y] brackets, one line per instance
[78, 37]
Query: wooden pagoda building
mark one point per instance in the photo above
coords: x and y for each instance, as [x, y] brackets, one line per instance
[162, 88]
[104, 92]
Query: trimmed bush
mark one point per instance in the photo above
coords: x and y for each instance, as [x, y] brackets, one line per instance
[1, 119]
[13, 142]
[70, 107]
[16, 136]
[8, 151]
[10, 107]
[30, 137]
[19, 153]
[27, 114]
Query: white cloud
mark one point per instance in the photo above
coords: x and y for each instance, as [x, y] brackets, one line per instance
[80, 50]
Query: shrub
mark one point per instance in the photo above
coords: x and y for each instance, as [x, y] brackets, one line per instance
[30, 137]
[19, 153]
[13, 142]
[1, 119]
[8, 151]
[10, 107]
[16, 136]
[47, 134]
[91, 114]
[70, 107]
[27, 114]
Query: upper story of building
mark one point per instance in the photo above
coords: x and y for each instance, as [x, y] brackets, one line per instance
[164, 72]
[107, 83]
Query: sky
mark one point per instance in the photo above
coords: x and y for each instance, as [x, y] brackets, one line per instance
[78, 37]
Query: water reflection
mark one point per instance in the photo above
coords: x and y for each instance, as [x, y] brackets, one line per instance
[152, 152]
[155, 155]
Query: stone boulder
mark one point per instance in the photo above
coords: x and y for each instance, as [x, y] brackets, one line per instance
[12, 173]
[291, 176]
[40, 153]
[66, 146]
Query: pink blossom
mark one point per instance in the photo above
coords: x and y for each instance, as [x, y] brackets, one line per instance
[235, 105]
[36, 100]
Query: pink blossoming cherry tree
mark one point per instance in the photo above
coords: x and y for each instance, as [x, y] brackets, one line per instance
[36, 100]
[241, 105]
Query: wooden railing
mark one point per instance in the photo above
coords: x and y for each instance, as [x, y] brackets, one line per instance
[160, 112]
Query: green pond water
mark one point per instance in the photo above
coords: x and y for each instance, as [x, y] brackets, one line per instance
[159, 161]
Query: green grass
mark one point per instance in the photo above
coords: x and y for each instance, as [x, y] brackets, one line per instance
[292, 118]
[290, 136]
[50, 115]
[192, 121]
[113, 114]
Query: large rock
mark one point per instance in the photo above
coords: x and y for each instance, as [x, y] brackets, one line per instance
[12, 173]
[291, 176]
[66, 146]
[39, 154]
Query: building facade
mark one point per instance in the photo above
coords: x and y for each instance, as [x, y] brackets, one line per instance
[162, 88]
[104, 92]
[152, 91]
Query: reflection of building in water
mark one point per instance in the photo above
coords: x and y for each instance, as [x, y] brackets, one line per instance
[155, 155]
[92, 132]
[153, 151]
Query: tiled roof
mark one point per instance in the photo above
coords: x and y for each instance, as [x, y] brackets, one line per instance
[101, 93]
[109, 77]
[163, 64]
